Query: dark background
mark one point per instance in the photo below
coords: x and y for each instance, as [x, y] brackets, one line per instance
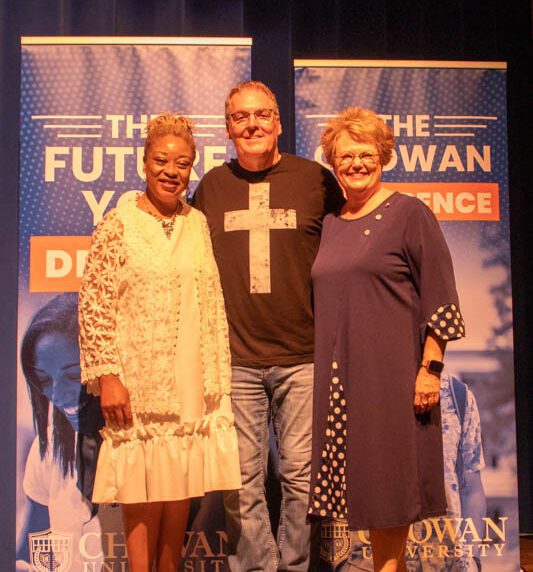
[484, 30]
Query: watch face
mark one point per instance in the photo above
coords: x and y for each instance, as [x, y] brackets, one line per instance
[435, 366]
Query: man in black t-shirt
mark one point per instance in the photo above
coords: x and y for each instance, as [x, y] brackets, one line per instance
[265, 212]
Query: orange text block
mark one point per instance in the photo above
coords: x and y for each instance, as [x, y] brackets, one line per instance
[57, 262]
[455, 201]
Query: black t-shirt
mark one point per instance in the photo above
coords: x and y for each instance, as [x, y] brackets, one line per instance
[265, 227]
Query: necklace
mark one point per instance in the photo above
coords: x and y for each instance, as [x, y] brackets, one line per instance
[166, 223]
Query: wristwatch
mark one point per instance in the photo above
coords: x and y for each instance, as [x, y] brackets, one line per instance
[433, 366]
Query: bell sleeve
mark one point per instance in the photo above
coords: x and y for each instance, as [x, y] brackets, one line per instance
[219, 379]
[432, 273]
[98, 303]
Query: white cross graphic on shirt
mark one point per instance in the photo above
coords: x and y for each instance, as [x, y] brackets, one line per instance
[259, 219]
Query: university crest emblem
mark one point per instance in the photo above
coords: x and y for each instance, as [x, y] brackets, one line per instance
[335, 541]
[50, 551]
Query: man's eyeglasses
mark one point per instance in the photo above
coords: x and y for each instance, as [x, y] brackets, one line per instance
[349, 158]
[263, 116]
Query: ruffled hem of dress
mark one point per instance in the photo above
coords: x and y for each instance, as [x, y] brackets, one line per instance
[168, 461]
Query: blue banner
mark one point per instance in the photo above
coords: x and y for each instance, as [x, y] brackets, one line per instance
[449, 122]
[84, 105]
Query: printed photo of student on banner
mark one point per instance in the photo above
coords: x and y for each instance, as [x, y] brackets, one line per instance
[84, 105]
[449, 124]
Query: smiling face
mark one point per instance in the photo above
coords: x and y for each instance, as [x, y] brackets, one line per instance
[167, 167]
[57, 367]
[256, 142]
[359, 180]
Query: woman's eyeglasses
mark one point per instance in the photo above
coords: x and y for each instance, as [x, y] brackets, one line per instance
[349, 158]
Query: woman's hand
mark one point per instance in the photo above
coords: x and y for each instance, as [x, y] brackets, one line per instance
[427, 391]
[115, 402]
[212, 402]
[427, 385]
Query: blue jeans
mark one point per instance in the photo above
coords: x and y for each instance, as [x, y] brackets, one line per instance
[286, 395]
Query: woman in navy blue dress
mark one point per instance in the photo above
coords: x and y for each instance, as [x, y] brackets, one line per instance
[385, 307]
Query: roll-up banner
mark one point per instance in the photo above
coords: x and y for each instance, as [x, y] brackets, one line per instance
[449, 123]
[84, 105]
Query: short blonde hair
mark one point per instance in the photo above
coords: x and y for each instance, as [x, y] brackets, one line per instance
[251, 85]
[362, 125]
[169, 124]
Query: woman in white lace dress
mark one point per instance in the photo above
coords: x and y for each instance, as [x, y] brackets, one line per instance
[154, 346]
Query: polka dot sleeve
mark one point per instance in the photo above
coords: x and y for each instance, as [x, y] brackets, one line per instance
[447, 323]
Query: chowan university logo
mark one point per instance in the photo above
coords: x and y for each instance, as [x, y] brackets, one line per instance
[50, 551]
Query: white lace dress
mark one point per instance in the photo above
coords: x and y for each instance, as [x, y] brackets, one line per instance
[151, 311]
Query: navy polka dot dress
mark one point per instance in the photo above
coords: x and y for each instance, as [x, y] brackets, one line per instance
[380, 282]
